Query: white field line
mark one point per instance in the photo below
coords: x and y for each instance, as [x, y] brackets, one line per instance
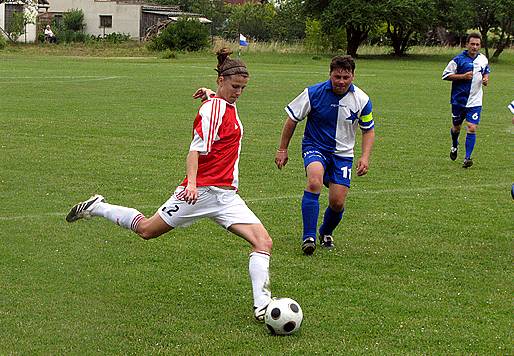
[60, 79]
[294, 196]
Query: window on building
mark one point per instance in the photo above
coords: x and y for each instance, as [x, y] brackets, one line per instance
[106, 21]
[58, 19]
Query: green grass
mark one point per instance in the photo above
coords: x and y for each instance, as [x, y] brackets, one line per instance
[423, 259]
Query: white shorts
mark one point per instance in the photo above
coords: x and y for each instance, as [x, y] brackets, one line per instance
[225, 207]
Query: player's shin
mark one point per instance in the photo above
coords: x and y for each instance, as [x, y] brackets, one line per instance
[258, 268]
[120, 215]
[310, 213]
[330, 221]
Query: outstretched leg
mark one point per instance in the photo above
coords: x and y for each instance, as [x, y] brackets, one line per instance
[127, 218]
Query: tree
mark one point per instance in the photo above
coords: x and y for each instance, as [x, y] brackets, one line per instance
[185, 34]
[404, 18]
[356, 17]
[485, 19]
[289, 22]
[505, 29]
[252, 19]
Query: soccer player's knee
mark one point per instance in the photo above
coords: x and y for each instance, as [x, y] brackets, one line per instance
[314, 185]
[264, 242]
[146, 233]
[337, 206]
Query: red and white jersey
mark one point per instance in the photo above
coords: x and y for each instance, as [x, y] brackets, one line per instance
[217, 135]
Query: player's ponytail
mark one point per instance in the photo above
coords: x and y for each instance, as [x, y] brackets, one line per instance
[228, 66]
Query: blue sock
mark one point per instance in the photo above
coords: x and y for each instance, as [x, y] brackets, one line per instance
[310, 212]
[470, 144]
[455, 138]
[330, 221]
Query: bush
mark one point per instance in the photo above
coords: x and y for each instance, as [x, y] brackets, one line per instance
[71, 27]
[73, 20]
[116, 37]
[315, 39]
[3, 42]
[183, 35]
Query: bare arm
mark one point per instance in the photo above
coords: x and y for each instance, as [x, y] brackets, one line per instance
[191, 192]
[281, 157]
[464, 76]
[203, 93]
[368, 138]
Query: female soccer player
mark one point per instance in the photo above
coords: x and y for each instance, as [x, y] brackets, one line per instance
[210, 187]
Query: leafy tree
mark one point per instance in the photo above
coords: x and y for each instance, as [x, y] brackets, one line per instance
[454, 15]
[289, 22]
[252, 19]
[505, 29]
[314, 37]
[404, 18]
[356, 17]
[183, 35]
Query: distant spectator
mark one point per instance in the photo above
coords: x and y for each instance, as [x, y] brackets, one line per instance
[49, 35]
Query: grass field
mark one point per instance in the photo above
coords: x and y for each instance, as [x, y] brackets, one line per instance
[423, 258]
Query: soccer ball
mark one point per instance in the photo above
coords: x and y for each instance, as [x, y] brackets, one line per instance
[283, 316]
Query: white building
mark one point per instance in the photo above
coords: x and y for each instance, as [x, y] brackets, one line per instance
[132, 17]
[8, 8]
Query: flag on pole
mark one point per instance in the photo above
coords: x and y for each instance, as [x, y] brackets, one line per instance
[242, 40]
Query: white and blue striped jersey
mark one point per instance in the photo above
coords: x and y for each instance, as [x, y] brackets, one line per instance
[467, 93]
[332, 119]
[511, 107]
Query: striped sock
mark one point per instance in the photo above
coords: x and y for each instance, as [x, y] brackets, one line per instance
[128, 218]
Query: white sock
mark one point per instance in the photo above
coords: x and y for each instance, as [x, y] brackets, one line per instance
[128, 218]
[259, 274]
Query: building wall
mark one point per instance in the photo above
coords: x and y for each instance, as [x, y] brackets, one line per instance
[2, 17]
[6, 13]
[126, 17]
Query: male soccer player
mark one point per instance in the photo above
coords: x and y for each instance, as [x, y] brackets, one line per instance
[334, 110]
[468, 72]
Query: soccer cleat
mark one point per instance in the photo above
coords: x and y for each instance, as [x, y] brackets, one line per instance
[326, 241]
[468, 162]
[453, 153]
[260, 312]
[309, 245]
[83, 209]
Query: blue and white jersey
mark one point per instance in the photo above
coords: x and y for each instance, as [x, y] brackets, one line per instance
[332, 119]
[511, 107]
[467, 93]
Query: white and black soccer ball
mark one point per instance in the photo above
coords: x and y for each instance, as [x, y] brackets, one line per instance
[283, 316]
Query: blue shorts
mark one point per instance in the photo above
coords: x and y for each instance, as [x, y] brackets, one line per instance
[460, 113]
[338, 169]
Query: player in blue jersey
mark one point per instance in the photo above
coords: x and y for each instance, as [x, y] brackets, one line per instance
[511, 108]
[468, 71]
[334, 110]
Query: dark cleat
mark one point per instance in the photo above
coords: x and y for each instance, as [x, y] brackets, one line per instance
[468, 162]
[453, 153]
[326, 241]
[83, 209]
[309, 245]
